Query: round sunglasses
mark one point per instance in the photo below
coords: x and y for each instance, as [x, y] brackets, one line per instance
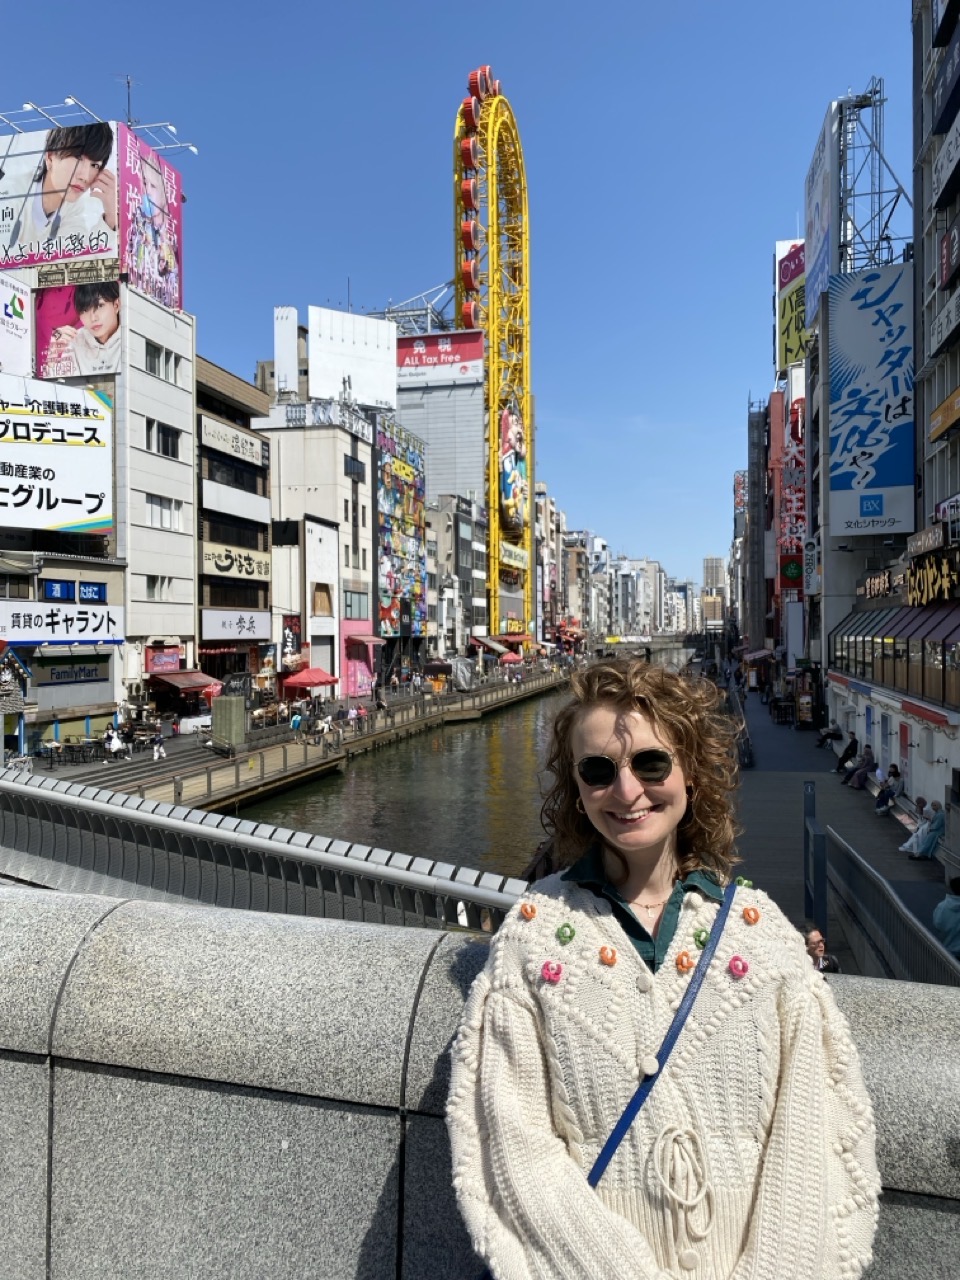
[650, 767]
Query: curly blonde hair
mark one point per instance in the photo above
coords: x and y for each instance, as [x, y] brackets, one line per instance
[686, 714]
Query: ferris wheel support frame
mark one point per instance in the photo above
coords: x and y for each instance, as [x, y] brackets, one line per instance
[493, 294]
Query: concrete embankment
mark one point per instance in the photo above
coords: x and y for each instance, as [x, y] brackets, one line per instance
[255, 775]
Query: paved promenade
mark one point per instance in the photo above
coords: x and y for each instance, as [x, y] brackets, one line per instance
[771, 813]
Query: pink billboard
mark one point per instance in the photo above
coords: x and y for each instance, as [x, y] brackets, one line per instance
[151, 221]
[78, 330]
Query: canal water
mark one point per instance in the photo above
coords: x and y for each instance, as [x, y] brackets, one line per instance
[467, 793]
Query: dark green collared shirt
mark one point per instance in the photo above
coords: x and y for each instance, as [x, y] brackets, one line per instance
[589, 872]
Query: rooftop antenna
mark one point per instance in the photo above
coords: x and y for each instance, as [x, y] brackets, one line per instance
[130, 120]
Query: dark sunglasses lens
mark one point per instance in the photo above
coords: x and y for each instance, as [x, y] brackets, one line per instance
[597, 771]
[652, 766]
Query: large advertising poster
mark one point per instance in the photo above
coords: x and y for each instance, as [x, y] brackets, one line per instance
[16, 328]
[436, 358]
[822, 210]
[58, 195]
[356, 354]
[871, 401]
[56, 457]
[78, 330]
[791, 304]
[514, 489]
[151, 221]
[401, 521]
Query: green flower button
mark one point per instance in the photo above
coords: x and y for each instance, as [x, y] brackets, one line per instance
[744, 883]
[700, 937]
[565, 934]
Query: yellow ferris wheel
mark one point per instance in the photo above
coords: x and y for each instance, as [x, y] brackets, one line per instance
[492, 248]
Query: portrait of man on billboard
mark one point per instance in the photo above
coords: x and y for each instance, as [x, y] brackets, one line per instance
[513, 470]
[78, 330]
[58, 195]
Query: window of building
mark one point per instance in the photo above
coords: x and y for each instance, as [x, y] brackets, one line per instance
[322, 600]
[159, 587]
[354, 469]
[431, 613]
[363, 517]
[163, 513]
[364, 558]
[431, 581]
[163, 439]
[162, 363]
[346, 557]
[235, 474]
[346, 511]
[355, 605]
[233, 533]
[13, 587]
[154, 360]
[234, 595]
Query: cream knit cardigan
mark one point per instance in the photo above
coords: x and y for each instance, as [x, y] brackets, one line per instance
[753, 1157]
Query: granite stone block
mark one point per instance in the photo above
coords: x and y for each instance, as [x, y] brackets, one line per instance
[169, 1179]
[39, 935]
[24, 1086]
[320, 1007]
[435, 1241]
[907, 1035]
[917, 1239]
[455, 964]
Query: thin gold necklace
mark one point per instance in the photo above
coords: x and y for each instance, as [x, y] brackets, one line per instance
[652, 907]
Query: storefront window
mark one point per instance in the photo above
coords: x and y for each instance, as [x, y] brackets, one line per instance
[951, 674]
[885, 672]
[900, 665]
[933, 670]
[915, 667]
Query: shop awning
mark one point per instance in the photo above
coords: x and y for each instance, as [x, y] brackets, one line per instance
[757, 655]
[185, 681]
[309, 678]
[513, 639]
[487, 643]
[946, 625]
[366, 640]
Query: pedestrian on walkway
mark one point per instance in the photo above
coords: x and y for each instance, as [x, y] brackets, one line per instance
[946, 919]
[816, 946]
[927, 847]
[574, 1009]
[159, 750]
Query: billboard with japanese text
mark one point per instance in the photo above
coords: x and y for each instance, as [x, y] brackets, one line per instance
[871, 365]
[30, 622]
[16, 327]
[78, 330]
[221, 561]
[435, 358]
[151, 220]
[402, 531]
[56, 457]
[822, 211]
[791, 331]
[58, 195]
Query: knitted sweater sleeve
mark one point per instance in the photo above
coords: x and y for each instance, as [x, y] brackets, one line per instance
[523, 1194]
[816, 1205]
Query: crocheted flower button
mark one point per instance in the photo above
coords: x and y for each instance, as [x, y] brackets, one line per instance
[743, 882]
[527, 910]
[700, 937]
[552, 971]
[608, 955]
[738, 966]
[751, 915]
[685, 962]
[565, 934]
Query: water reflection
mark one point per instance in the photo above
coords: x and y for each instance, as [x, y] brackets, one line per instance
[469, 793]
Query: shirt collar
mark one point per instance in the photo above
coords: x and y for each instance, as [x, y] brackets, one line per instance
[589, 871]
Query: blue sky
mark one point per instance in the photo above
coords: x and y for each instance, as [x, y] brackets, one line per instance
[666, 148]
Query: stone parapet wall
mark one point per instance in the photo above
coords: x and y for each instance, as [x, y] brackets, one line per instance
[187, 1091]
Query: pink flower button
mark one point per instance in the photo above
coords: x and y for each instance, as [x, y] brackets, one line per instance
[738, 966]
[552, 971]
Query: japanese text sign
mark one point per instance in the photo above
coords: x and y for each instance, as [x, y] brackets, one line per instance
[151, 222]
[872, 401]
[234, 624]
[58, 195]
[33, 622]
[235, 562]
[16, 327]
[56, 457]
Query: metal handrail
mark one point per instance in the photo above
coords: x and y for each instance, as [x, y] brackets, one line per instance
[905, 947]
[87, 839]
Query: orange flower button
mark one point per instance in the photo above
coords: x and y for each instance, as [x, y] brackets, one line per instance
[608, 955]
[685, 962]
[751, 915]
[527, 910]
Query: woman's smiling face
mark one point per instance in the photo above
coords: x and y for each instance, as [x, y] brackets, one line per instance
[636, 818]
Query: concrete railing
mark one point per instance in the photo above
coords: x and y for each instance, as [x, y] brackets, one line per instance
[191, 1092]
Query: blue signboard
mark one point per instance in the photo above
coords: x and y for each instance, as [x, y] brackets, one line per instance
[95, 591]
[57, 589]
[872, 401]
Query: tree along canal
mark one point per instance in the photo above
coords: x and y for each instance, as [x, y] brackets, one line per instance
[467, 793]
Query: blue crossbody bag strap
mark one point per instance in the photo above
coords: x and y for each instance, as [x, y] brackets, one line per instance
[632, 1109]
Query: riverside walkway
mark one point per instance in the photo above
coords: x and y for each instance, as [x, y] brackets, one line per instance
[771, 814]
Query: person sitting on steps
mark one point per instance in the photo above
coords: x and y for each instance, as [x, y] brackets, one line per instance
[849, 751]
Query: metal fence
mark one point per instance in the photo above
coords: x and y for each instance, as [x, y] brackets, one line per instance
[901, 944]
[87, 840]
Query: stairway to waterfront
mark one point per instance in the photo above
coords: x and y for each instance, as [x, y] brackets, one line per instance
[187, 752]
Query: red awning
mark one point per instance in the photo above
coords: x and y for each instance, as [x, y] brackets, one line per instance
[493, 645]
[185, 681]
[513, 639]
[366, 640]
[510, 657]
[309, 678]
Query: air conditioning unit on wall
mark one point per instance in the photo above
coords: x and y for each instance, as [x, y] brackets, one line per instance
[926, 746]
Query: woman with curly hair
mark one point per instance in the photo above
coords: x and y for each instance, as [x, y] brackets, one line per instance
[650, 1081]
